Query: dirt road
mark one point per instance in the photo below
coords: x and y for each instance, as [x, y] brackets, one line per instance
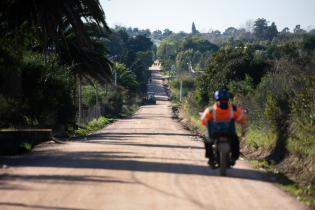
[147, 162]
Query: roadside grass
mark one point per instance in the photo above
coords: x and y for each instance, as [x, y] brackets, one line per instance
[303, 145]
[260, 138]
[194, 125]
[25, 147]
[129, 110]
[99, 123]
[94, 125]
[305, 194]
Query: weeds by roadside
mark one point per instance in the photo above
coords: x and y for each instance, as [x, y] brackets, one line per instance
[94, 125]
[25, 147]
[101, 122]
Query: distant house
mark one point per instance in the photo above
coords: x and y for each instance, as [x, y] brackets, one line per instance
[156, 66]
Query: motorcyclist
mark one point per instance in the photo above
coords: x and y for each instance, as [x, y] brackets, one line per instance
[222, 116]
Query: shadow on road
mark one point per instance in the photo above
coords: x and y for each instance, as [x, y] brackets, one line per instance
[127, 143]
[103, 160]
[60, 178]
[101, 136]
[26, 206]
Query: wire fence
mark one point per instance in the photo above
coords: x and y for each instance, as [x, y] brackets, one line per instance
[88, 114]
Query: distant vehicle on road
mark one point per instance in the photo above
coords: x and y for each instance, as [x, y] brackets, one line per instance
[149, 98]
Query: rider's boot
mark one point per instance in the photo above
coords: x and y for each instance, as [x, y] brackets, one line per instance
[211, 163]
[232, 161]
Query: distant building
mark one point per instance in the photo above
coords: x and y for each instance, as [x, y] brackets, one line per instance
[156, 66]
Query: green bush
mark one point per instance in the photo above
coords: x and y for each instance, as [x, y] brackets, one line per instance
[260, 138]
[114, 103]
[36, 92]
[47, 89]
[25, 147]
[93, 125]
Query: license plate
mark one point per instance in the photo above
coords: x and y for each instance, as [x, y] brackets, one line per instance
[221, 138]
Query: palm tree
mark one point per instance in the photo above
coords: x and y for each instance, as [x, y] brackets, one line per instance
[88, 62]
[125, 77]
[51, 18]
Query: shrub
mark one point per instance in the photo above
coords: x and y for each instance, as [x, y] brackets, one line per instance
[93, 125]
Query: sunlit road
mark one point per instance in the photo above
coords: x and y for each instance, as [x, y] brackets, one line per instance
[146, 162]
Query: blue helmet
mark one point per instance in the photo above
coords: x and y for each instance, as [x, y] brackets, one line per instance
[221, 95]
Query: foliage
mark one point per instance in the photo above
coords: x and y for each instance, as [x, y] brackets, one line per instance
[125, 77]
[231, 67]
[273, 79]
[37, 85]
[36, 13]
[177, 54]
[264, 32]
[193, 29]
[25, 147]
[260, 138]
[94, 125]
[58, 27]
[41, 96]
[133, 52]
[47, 91]
[89, 63]
[198, 44]
[272, 75]
[187, 85]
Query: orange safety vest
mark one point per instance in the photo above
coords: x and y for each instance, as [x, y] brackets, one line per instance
[216, 114]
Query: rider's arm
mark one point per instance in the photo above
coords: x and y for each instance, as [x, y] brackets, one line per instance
[239, 115]
[207, 116]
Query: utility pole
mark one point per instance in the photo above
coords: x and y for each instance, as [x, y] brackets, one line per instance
[80, 100]
[96, 93]
[115, 76]
[181, 90]
[106, 87]
[97, 105]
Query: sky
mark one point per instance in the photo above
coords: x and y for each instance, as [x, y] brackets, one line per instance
[178, 15]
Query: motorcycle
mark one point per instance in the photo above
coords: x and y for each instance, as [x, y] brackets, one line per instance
[222, 152]
[221, 147]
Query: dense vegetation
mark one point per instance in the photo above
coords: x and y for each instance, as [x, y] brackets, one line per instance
[58, 61]
[272, 74]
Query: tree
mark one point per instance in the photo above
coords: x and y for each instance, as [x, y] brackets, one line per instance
[125, 77]
[261, 28]
[50, 16]
[167, 52]
[308, 42]
[91, 63]
[193, 29]
[230, 32]
[285, 30]
[216, 33]
[167, 33]
[272, 31]
[199, 44]
[182, 60]
[157, 34]
[249, 26]
[298, 30]
[140, 43]
[52, 19]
